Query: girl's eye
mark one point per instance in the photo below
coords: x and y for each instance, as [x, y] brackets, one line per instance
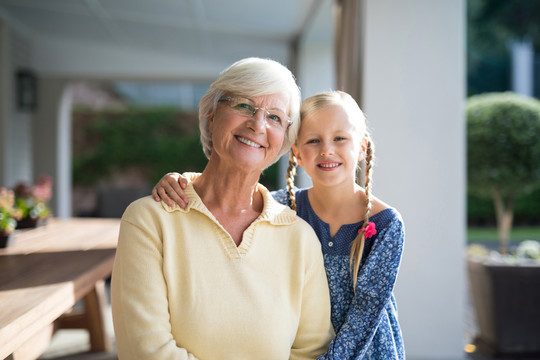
[312, 141]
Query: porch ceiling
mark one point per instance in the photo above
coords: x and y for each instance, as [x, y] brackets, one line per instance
[200, 29]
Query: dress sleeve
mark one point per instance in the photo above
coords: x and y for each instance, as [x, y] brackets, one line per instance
[376, 279]
[281, 196]
[139, 294]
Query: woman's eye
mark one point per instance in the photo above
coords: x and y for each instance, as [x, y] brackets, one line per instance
[244, 106]
[275, 118]
[340, 138]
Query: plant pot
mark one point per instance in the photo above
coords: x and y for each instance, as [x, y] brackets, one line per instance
[28, 223]
[6, 240]
[506, 302]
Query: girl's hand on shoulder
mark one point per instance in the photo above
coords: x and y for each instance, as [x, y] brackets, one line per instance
[170, 188]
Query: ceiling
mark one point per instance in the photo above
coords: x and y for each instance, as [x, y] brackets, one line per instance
[200, 28]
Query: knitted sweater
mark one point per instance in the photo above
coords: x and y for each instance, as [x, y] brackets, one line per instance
[366, 323]
[182, 289]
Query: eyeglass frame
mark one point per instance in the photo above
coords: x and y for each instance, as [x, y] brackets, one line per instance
[267, 113]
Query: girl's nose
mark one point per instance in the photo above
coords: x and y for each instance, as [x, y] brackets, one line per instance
[327, 150]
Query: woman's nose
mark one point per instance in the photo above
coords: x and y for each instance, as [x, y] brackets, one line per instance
[258, 120]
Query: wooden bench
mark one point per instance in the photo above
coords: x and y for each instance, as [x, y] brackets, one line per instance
[43, 275]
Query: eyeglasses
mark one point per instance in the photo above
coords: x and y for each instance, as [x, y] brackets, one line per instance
[246, 107]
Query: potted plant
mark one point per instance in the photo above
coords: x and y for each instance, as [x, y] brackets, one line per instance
[32, 201]
[8, 217]
[503, 160]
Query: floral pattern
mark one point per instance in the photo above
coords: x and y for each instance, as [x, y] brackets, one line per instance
[366, 323]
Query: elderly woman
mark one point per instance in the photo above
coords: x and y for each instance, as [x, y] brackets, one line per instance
[235, 275]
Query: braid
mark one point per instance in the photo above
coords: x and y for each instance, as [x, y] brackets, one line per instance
[291, 172]
[358, 243]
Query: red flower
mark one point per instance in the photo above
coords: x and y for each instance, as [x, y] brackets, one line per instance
[370, 230]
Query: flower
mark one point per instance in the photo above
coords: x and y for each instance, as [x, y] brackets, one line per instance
[8, 213]
[529, 249]
[32, 200]
[369, 230]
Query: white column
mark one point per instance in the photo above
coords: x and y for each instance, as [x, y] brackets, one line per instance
[414, 94]
[5, 86]
[522, 54]
[52, 136]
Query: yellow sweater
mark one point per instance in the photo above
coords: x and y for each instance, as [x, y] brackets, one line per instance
[182, 289]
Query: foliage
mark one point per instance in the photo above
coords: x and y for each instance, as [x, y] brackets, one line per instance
[9, 214]
[480, 211]
[503, 157]
[32, 201]
[491, 25]
[502, 139]
[156, 139]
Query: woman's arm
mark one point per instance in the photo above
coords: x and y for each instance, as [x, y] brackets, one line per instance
[139, 293]
[374, 288]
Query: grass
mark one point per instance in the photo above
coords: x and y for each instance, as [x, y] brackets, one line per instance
[489, 234]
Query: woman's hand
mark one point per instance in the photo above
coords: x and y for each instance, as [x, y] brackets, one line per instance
[171, 188]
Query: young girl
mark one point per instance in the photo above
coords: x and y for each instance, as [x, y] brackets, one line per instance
[361, 236]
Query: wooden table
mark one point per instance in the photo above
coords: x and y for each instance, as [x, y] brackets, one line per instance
[43, 275]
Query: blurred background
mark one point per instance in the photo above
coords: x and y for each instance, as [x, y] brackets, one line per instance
[102, 96]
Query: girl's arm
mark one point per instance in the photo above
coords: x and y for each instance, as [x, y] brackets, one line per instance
[376, 280]
[170, 189]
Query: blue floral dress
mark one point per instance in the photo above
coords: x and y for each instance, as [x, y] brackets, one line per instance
[366, 324]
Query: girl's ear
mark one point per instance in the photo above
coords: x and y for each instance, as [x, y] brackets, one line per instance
[363, 149]
[297, 155]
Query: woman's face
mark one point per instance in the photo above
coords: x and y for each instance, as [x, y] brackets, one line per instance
[248, 142]
[329, 146]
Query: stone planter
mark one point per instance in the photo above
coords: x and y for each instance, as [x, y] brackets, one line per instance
[6, 240]
[506, 300]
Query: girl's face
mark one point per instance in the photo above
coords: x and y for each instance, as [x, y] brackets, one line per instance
[244, 141]
[329, 146]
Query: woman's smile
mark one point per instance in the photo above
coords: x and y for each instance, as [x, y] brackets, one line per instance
[246, 141]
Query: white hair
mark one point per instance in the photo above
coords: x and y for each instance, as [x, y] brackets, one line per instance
[252, 77]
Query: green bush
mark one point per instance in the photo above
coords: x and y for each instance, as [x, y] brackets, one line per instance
[157, 140]
[503, 135]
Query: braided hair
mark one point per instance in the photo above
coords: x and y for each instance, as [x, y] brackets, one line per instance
[315, 103]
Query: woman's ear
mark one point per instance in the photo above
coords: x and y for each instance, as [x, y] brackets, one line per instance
[297, 155]
[211, 123]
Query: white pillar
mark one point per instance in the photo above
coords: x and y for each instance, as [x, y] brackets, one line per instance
[5, 98]
[52, 136]
[414, 95]
[522, 54]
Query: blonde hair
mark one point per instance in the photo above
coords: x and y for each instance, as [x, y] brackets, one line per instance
[340, 98]
[252, 77]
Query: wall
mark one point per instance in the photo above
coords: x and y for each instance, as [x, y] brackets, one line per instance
[15, 125]
[414, 93]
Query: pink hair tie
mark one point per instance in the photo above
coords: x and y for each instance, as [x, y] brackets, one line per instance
[369, 230]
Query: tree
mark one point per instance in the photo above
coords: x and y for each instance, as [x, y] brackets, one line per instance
[503, 156]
